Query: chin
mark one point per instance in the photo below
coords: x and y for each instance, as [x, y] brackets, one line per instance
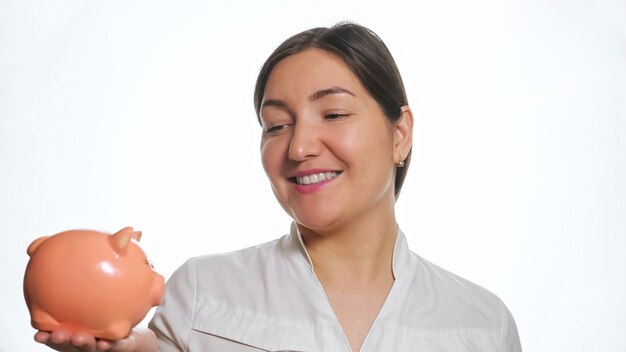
[317, 223]
[316, 216]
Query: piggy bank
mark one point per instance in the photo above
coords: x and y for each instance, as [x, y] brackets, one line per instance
[90, 282]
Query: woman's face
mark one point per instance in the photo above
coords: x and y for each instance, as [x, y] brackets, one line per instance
[327, 147]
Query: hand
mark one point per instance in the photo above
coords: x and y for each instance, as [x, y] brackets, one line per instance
[140, 340]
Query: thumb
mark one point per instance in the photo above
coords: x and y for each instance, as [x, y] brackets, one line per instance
[140, 340]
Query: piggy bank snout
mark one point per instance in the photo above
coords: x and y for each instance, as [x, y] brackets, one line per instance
[156, 291]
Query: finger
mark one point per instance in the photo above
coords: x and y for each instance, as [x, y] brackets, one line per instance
[84, 341]
[104, 345]
[126, 344]
[42, 336]
[60, 337]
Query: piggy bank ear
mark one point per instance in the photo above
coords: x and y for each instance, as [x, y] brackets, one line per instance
[121, 239]
[35, 244]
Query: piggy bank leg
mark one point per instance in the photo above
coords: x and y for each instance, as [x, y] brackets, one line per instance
[42, 321]
[116, 331]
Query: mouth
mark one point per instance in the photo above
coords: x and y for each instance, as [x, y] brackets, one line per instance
[314, 178]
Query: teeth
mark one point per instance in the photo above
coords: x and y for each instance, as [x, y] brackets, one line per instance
[315, 178]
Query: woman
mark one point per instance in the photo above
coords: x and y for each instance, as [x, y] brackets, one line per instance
[336, 145]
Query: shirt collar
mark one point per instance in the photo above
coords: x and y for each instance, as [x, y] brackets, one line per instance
[401, 254]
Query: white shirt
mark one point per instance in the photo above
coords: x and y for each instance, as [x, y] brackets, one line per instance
[267, 298]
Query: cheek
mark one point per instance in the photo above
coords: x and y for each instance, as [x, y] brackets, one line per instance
[265, 158]
[271, 158]
[367, 142]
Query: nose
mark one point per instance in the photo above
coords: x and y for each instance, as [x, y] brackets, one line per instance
[305, 142]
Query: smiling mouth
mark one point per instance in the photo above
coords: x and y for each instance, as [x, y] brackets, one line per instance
[315, 178]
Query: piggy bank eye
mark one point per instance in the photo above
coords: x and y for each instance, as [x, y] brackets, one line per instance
[148, 262]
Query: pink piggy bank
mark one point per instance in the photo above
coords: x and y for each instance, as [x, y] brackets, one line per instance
[91, 282]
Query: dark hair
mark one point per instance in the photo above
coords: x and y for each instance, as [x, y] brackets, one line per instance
[365, 54]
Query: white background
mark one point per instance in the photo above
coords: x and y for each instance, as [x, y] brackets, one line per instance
[140, 113]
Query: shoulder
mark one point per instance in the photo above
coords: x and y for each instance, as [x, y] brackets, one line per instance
[454, 300]
[242, 277]
[243, 267]
[253, 297]
[437, 305]
[451, 283]
[249, 254]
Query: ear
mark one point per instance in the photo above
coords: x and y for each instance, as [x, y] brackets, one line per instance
[403, 134]
[35, 244]
[121, 239]
[136, 235]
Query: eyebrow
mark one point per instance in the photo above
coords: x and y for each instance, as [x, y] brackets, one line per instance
[313, 97]
[332, 90]
[274, 102]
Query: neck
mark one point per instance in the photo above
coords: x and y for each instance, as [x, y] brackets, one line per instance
[360, 253]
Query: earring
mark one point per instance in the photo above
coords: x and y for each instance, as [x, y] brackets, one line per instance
[400, 163]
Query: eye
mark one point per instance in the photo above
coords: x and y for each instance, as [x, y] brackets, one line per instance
[274, 128]
[335, 116]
